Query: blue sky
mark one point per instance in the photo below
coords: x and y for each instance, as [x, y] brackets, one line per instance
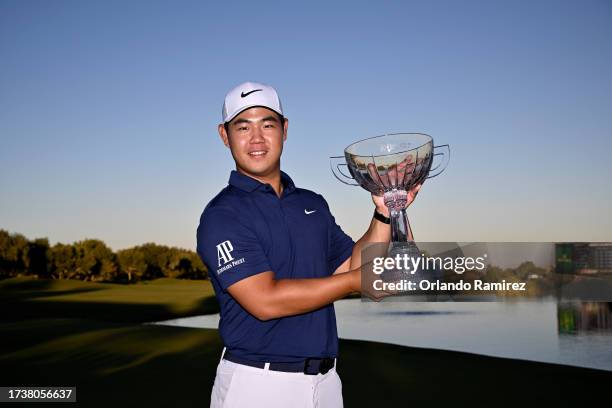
[108, 111]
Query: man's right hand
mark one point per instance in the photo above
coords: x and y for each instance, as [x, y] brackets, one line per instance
[363, 279]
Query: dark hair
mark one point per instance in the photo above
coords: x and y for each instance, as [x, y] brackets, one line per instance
[280, 117]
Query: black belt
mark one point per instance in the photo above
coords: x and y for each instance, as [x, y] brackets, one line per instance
[310, 366]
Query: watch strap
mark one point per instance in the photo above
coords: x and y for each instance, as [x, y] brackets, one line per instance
[381, 217]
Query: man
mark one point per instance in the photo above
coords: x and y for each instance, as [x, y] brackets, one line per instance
[277, 261]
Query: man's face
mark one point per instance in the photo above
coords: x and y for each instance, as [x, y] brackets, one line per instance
[256, 138]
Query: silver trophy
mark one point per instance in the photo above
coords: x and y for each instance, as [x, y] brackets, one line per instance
[389, 166]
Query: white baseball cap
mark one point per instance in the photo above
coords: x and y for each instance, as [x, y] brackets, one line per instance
[248, 95]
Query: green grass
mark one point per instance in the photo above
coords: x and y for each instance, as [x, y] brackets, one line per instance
[112, 364]
[114, 361]
[141, 302]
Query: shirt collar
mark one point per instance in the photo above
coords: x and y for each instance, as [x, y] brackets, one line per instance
[249, 184]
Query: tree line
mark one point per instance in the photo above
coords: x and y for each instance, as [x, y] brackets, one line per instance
[93, 260]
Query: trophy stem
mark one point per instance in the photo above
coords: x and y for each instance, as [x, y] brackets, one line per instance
[403, 246]
[400, 227]
[401, 234]
[396, 200]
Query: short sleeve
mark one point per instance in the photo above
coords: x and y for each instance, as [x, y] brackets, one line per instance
[230, 250]
[340, 244]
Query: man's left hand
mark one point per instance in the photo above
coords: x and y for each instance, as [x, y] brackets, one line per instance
[379, 201]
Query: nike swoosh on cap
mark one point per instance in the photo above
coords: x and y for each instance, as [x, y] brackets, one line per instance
[308, 212]
[242, 94]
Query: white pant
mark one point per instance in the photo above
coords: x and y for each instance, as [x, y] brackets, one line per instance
[238, 385]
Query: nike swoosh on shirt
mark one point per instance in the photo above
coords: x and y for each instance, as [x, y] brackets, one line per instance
[308, 212]
[242, 94]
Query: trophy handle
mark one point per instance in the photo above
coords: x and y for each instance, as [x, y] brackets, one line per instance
[443, 152]
[335, 162]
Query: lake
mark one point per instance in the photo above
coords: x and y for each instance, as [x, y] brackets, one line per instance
[571, 333]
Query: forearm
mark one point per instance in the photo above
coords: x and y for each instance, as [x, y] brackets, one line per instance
[377, 232]
[288, 297]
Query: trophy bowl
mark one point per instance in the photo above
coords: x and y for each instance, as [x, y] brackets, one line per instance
[389, 166]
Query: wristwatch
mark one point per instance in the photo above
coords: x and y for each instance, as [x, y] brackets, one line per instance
[381, 217]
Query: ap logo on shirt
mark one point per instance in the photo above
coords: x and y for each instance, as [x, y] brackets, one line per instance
[224, 252]
[224, 255]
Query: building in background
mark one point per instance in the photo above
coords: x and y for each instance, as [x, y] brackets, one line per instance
[583, 258]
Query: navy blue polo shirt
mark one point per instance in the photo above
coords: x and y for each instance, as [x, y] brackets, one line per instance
[247, 229]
